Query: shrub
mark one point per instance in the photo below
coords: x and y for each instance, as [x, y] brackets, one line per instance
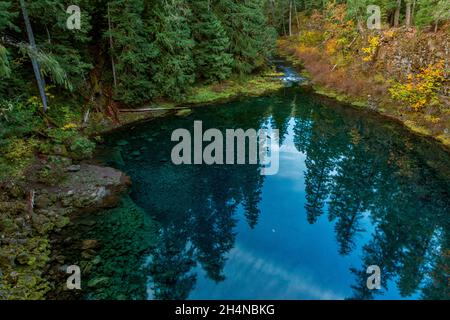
[16, 120]
[370, 51]
[311, 38]
[420, 89]
[82, 148]
[63, 136]
[15, 156]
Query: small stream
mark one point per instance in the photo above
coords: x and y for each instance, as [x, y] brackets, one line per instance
[353, 190]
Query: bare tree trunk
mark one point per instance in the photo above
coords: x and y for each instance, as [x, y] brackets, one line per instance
[272, 9]
[112, 51]
[30, 202]
[37, 70]
[397, 13]
[290, 17]
[297, 18]
[359, 24]
[408, 14]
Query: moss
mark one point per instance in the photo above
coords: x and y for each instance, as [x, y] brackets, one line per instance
[360, 104]
[413, 126]
[444, 138]
[328, 92]
[16, 157]
[252, 86]
[22, 274]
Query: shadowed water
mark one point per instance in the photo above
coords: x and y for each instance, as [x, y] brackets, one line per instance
[353, 190]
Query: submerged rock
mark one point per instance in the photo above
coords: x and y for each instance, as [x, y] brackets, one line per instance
[74, 168]
[116, 157]
[122, 143]
[89, 244]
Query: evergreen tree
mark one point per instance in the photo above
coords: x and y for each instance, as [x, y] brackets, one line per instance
[132, 51]
[6, 17]
[212, 60]
[251, 38]
[432, 12]
[172, 71]
[143, 49]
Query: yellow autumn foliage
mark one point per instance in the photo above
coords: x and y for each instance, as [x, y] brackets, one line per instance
[421, 89]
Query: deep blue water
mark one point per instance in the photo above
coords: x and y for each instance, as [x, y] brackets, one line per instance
[353, 190]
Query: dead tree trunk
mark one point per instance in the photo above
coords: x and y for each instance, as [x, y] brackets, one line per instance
[111, 47]
[408, 14]
[397, 13]
[36, 68]
[290, 17]
[297, 18]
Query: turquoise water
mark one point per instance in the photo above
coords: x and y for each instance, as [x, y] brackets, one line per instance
[353, 190]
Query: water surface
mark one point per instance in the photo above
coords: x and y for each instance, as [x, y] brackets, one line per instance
[353, 190]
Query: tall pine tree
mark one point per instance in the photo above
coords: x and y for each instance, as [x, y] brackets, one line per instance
[172, 70]
[132, 51]
[212, 60]
[6, 17]
[252, 40]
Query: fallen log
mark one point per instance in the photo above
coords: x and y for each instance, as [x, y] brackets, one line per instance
[152, 109]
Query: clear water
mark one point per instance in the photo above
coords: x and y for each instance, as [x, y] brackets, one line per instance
[353, 190]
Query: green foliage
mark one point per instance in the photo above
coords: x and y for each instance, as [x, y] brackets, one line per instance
[6, 18]
[173, 69]
[82, 148]
[25, 282]
[152, 48]
[50, 66]
[212, 60]
[132, 51]
[16, 152]
[6, 15]
[69, 48]
[248, 86]
[431, 12]
[21, 126]
[252, 40]
[5, 70]
[17, 120]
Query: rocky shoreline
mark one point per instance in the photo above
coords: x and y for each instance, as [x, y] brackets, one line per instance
[31, 218]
